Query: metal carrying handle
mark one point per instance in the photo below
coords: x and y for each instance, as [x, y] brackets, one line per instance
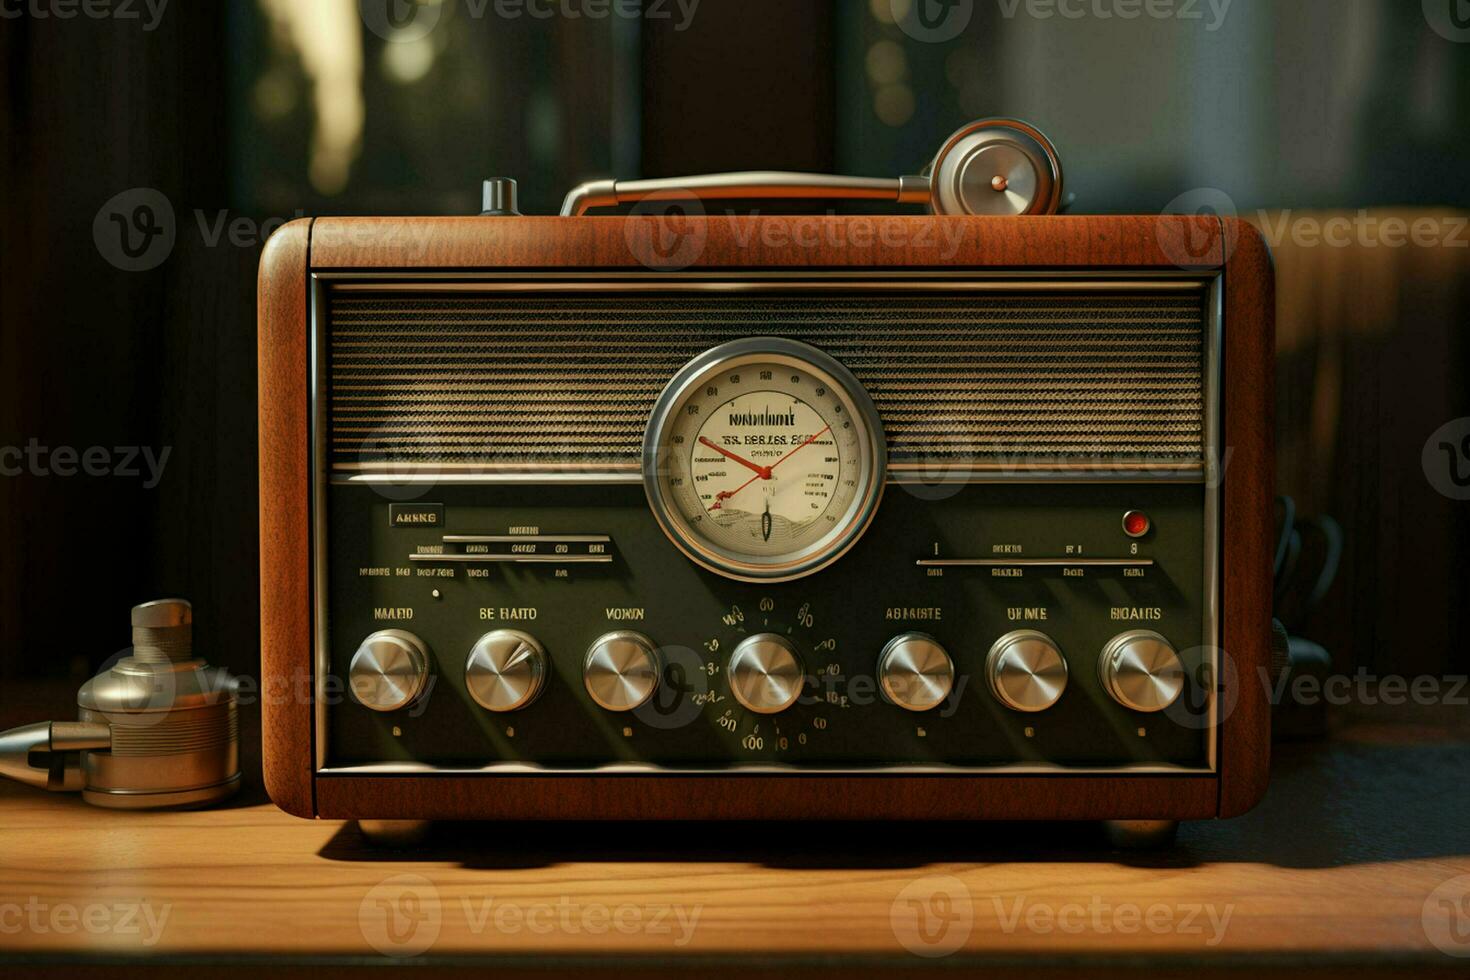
[59, 743]
[992, 167]
[745, 184]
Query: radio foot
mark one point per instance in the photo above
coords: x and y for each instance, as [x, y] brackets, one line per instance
[394, 834]
[1140, 835]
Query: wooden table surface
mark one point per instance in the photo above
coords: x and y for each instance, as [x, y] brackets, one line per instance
[1336, 872]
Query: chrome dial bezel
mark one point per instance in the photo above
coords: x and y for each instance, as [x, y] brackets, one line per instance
[872, 470]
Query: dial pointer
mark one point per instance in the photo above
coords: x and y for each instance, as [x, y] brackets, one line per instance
[764, 472]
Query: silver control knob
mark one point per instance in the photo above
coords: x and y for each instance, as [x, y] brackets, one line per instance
[389, 670]
[915, 672]
[506, 670]
[1141, 671]
[765, 673]
[621, 670]
[1026, 671]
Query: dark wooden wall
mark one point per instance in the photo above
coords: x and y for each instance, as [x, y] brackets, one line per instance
[1373, 344]
[747, 86]
[96, 356]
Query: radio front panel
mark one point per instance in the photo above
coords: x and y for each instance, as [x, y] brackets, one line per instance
[965, 564]
[1033, 587]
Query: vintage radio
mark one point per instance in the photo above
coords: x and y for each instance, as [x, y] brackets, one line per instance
[959, 515]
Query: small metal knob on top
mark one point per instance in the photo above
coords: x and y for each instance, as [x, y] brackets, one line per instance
[506, 670]
[915, 672]
[389, 670]
[1141, 671]
[621, 670]
[498, 198]
[1026, 671]
[765, 673]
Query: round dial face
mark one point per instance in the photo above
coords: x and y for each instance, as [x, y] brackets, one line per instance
[763, 459]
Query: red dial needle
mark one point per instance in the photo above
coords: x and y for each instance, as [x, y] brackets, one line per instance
[764, 472]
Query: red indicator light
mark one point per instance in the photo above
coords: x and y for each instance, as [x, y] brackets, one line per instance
[1136, 524]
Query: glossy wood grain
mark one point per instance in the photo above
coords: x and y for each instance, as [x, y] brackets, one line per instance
[285, 539]
[1247, 410]
[775, 242]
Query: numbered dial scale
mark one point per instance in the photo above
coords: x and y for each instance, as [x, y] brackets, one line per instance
[764, 459]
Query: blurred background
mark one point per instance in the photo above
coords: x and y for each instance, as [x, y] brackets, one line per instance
[241, 114]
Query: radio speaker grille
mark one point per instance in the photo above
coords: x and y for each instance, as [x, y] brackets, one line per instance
[1025, 378]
